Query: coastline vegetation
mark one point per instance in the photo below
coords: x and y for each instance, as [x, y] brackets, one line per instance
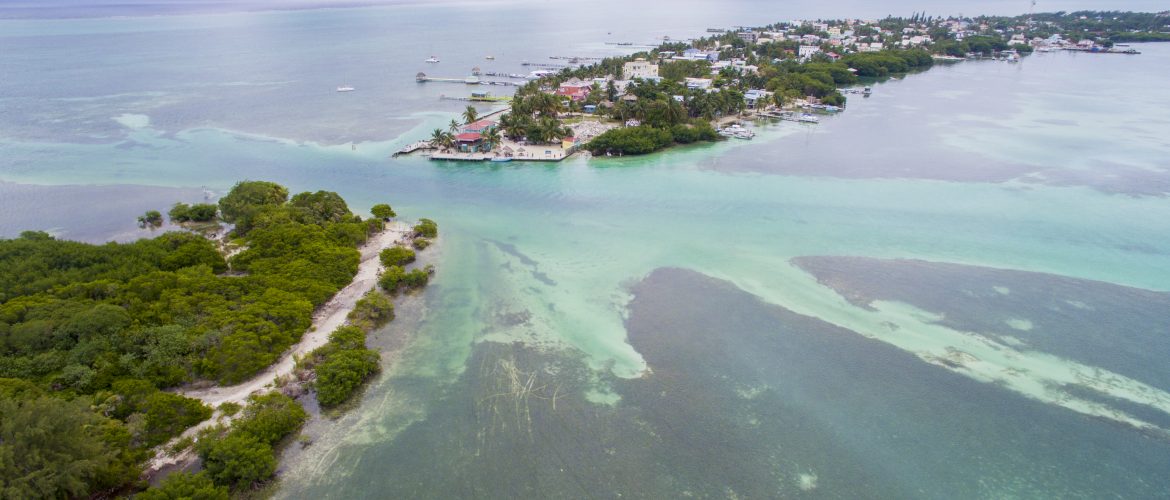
[91, 334]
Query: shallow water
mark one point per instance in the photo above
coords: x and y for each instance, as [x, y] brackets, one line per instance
[1018, 167]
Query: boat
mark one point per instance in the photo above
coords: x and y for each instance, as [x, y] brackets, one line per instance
[472, 80]
[490, 58]
[807, 118]
[501, 159]
[432, 60]
[736, 131]
[866, 91]
[345, 88]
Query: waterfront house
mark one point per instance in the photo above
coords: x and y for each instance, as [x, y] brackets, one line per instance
[472, 142]
[755, 97]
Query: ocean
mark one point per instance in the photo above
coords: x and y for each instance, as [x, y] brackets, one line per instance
[955, 288]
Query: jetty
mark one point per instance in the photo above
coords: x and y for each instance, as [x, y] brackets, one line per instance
[467, 80]
[543, 65]
[412, 147]
[506, 75]
[477, 98]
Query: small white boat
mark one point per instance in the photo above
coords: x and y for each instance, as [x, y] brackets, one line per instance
[490, 58]
[807, 118]
[345, 88]
[737, 132]
[432, 60]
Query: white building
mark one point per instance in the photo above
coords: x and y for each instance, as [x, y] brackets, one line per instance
[639, 68]
[807, 51]
[699, 83]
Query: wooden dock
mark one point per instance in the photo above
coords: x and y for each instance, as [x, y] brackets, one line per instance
[412, 147]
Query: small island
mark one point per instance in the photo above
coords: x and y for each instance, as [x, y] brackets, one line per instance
[122, 362]
[701, 90]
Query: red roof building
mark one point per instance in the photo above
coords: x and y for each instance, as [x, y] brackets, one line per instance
[479, 126]
[574, 92]
[469, 137]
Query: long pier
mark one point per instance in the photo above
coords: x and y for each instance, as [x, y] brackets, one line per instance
[543, 65]
[470, 80]
[490, 98]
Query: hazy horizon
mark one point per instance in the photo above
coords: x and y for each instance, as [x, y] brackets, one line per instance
[853, 8]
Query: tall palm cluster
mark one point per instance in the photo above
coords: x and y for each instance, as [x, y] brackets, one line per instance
[534, 117]
[445, 139]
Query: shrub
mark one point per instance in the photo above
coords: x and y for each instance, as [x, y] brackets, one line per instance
[426, 228]
[397, 256]
[383, 211]
[415, 279]
[168, 414]
[199, 212]
[270, 417]
[391, 278]
[184, 486]
[372, 311]
[420, 243]
[151, 217]
[238, 460]
[342, 373]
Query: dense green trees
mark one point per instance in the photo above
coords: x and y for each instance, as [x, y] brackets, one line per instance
[53, 448]
[631, 140]
[248, 197]
[94, 331]
[887, 62]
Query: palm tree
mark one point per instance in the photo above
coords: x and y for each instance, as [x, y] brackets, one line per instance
[437, 137]
[453, 126]
[470, 114]
[492, 136]
[550, 129]
[674, 112]
[448, 140]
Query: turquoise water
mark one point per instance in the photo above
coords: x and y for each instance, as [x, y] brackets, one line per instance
[1054, 165]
